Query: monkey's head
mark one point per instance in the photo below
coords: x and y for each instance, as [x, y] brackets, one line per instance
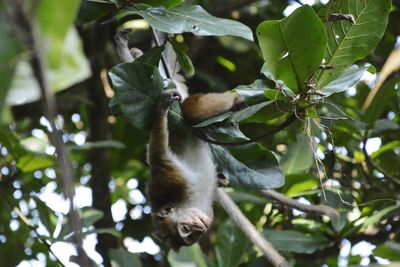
[180, 226]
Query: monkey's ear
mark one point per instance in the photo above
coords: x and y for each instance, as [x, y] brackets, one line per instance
[164, 211]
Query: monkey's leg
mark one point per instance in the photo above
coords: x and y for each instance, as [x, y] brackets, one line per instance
[199, 107]
[159, 146]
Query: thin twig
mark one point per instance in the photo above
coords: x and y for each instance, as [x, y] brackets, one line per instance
[371, 162]
[312, 209]
[249, 230]
[29, 34]
[34, 229]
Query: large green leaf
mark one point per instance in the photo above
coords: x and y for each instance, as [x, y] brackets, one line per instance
[229, 133]
[346, 80]
[123, 258]
[187, 257]
[295, 241]
[250, 166]
[184, 18]
[349, 42]
[231, 245]
[137, 88]
[247, 112]
[381, 100]
[92, 10]
[293, 48]
[299, 157]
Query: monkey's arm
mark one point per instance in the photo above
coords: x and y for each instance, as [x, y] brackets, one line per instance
[199, 107]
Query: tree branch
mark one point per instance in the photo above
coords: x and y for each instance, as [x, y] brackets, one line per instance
[312, 209]
[95, 40]
[249, 230]
[28, 30]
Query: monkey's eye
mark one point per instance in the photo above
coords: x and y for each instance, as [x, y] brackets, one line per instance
[185, 228]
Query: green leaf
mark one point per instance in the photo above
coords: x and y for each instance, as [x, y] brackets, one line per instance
[30, 162]
[293, 48]
[381, 100]
[213, 120]
[390, 250]
[295, 241]
[187, 256]
[185, 63]
[185, 18]
[166, 3]
[88, 216]
[152, 56]
[123, 258]
[251, 166]
[231, 245]
[252, 93]
[346, 80]
[44, 215]
[380, 216]
[114, 107]
[349, 42]
[247, 112]
[299, 157]
[137, 89]
[91, 10]
[386, 148]
[229, 133]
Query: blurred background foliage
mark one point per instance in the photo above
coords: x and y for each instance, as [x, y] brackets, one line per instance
[359, 155]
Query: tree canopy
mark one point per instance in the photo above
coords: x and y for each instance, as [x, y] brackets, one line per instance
[313, 159]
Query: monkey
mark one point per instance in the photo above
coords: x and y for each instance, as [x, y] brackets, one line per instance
[183, 176]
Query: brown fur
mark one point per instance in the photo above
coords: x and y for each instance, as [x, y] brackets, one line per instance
[200, 107]
[168, 189]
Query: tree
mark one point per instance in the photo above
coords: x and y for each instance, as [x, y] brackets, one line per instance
[319, 133]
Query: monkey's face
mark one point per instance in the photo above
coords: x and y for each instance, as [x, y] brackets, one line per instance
[180, 226]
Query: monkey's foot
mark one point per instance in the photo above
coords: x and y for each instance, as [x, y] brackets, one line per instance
[222, 181]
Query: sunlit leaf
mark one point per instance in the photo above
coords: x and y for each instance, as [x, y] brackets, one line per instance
[293, 48]
[349, 42]
[184, 18]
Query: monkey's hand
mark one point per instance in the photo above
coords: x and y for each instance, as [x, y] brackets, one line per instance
[168, 97]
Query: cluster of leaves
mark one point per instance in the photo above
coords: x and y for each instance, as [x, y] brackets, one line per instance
[308, 62]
